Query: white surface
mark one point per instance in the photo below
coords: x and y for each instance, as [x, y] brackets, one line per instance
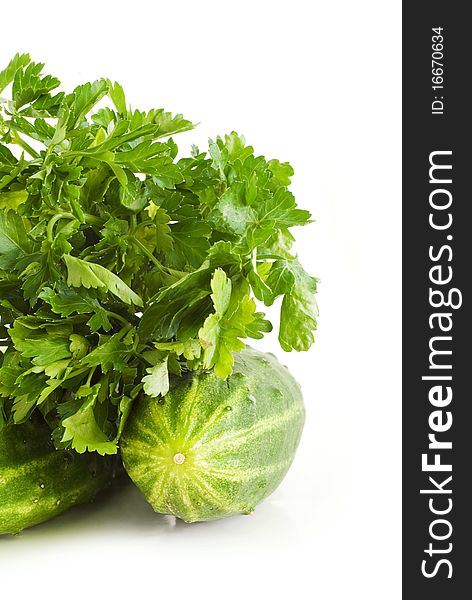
[318, 84]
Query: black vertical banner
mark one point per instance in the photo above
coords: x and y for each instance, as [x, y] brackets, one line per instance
[437, 331]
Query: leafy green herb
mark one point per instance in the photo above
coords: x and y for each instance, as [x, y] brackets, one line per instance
[156, 382]
[123, 264]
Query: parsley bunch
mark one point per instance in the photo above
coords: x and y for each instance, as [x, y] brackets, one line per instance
[122, 264]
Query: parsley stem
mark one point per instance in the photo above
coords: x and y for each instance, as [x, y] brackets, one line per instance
[20, 142]
[73, 374]
[154, 260]
[90, 375]
[254, 260]
[118, 317]
[53, 221]
[93, 220]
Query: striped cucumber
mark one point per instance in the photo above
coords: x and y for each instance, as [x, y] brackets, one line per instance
[212, 448]
[38, 482]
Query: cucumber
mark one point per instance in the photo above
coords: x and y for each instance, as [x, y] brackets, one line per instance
[213, 448]
[38, 482]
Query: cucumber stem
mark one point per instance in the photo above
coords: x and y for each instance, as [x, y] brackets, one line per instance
[179, 458]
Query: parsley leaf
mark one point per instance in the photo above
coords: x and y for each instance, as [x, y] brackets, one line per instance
[299, 308]
[156, 382]
[66, 301]
[235, 317]
[14, 242]
[91, 275]
[111, 354]
[82, 429]
[8, 74]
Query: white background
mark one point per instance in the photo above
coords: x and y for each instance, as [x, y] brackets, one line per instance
[317, 84]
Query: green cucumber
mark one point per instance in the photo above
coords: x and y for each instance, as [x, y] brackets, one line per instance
[212, 448]
[38, 482]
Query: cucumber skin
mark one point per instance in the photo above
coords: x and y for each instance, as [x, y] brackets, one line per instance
[38, 482]
[238, 437]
